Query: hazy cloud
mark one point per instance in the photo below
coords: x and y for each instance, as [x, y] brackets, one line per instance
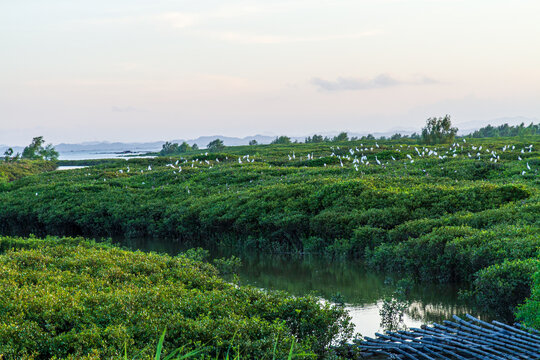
[379, 81]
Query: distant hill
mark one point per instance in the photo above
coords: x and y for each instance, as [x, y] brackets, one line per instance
[202, 141]
[106, 146]
[141, 147]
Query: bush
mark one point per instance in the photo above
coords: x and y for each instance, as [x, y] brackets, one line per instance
[62, 297]
[500, 288]
[529, 313]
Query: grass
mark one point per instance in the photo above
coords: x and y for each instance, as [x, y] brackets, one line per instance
[180, 354]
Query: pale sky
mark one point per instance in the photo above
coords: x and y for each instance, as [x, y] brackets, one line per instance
[133, 70]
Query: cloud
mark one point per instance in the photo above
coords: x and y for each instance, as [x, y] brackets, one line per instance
[378, 82]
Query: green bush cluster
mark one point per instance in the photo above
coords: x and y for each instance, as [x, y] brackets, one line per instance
[14, 170]
[70, 298]
[501, 287]
[529, 313]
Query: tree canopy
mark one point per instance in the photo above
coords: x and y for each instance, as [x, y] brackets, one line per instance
[215, 145]
[507, 130]
[314, 139]
[173, 148]
[37, 151]
[438, 131]
[281, 140]
[342, 136]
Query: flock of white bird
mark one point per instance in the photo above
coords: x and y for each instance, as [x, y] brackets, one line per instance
[359, 156]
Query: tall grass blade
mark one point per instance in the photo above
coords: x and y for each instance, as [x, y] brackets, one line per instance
[291, 351]
[160, 345]
[275, 347]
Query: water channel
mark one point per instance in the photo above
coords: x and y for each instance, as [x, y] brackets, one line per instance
[361, 290]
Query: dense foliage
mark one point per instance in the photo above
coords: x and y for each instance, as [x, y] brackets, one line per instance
[13, 170]
[506, 130]
[498, 288]
[282, 140]
[174, 148]
[439, 131]
[440, 213]
[37, 150]
[529, 313]
[215, 145]
[70, 298]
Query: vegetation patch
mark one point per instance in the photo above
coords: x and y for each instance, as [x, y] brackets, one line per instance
[70, 298]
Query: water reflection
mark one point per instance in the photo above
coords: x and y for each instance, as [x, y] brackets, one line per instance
[361, 290]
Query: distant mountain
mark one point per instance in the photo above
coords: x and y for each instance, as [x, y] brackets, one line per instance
[202, 141]
[109, 146]
[96, 147]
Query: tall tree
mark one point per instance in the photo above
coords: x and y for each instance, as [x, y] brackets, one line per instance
[184, 147]
[438, 131]
[215, 145]
[36, 150]
[314, 139]
[343, 136]
[169, 149]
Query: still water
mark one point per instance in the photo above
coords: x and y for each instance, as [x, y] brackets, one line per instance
[361, 290]
[88, 155]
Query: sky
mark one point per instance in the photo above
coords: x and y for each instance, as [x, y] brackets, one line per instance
[133, 70]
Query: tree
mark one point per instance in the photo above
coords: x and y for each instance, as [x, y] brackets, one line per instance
[195, 147]
[438, 131]
[184, 147]
[253, 142]
[343, 136]
[36, 151]
[281, 140]
[32, 150]
[49, 153]
[506, 130]
[169, 149]
[7, 154]
[216, 145]
[314, 139]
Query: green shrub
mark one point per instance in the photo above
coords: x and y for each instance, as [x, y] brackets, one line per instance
[72, 298]
[529, 313]
[500, 288]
